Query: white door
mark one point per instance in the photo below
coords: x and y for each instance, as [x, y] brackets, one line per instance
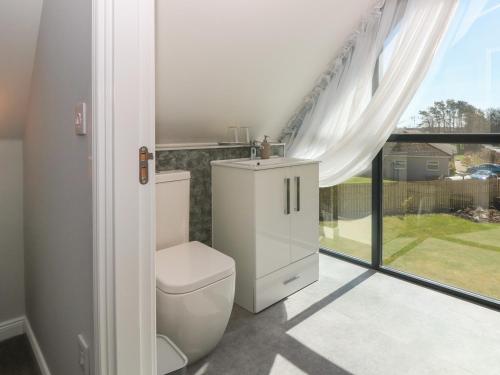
[124, 230]
[304, 223]
[272, 216]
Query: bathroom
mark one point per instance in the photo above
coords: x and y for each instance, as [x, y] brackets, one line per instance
[238, 117]
[226, 102]
[249, 187]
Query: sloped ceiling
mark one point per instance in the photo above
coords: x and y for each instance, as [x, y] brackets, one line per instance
[222, 63]
[19, 22]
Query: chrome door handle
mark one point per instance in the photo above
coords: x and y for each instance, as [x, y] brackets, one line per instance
[287, 196]
[297, 194]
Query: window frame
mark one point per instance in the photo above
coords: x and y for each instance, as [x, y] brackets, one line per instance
[403, 167]
[377, 206]
[377, 217]
[434, 162]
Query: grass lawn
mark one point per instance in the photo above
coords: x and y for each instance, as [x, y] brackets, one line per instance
[440, 247]
[358, 180]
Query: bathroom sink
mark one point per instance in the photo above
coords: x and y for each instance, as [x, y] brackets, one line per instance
[264, 162]
[256, 164]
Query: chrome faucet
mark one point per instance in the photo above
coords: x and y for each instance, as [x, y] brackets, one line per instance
[253, 150]
[253, 153]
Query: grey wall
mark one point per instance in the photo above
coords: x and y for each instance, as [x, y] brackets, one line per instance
[57, 180]
[416, 168]
[19, 22]
[11, 230]
[198, 163]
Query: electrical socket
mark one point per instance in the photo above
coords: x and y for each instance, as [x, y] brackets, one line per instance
[83, 355]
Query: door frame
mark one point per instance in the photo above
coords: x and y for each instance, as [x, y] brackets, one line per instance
[123, 118]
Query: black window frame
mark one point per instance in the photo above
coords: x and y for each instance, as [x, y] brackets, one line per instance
[377, 217]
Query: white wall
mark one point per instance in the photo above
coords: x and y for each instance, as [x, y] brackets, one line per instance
[246, 62]
[19, 21]
[57, 181]
[11, 230]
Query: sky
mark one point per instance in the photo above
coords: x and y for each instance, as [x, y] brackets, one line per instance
[467, 64]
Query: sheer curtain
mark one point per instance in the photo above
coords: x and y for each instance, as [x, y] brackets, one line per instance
[345, 122]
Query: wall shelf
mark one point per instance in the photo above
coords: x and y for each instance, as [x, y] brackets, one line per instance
[202, 146]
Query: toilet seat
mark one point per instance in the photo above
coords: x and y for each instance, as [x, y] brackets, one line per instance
[190, 266]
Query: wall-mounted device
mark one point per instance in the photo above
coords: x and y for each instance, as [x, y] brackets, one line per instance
[81, 119]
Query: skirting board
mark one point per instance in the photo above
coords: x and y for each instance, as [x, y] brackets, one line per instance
[36, 348]
[11, 328]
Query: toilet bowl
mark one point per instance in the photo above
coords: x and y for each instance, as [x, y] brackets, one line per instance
[194, 283]
[194, 296]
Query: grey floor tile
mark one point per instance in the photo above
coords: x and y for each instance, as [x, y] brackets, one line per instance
[355, 321]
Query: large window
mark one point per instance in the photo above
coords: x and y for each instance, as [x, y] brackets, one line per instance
[444, 223]
[435, 185]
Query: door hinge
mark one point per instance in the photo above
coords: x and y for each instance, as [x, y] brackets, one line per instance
[144, 157]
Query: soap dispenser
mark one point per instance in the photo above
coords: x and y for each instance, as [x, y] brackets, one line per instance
[265, 148]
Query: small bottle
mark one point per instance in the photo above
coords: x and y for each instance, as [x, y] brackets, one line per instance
[265, 148]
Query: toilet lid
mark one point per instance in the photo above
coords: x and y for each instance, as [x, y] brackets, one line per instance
[190, 266]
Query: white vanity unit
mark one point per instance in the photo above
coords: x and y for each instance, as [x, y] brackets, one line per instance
[265, 216]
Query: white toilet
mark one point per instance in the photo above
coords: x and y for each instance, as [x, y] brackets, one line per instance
[194, 283]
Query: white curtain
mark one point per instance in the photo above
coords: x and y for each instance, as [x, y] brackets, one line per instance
[346, 123]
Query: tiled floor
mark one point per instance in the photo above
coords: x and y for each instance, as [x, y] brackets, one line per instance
[16, 357]
[356, 321]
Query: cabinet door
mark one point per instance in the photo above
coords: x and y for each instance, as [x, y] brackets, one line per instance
[304, 223]
[272, 220]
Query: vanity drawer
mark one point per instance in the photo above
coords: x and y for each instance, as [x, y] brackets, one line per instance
[280, 284]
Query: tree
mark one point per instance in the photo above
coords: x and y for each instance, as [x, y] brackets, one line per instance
[493, 116]
[458, 116]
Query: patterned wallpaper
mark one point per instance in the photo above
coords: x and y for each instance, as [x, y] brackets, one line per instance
[198, 163]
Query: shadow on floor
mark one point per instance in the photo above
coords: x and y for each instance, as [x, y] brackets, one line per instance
[17, 358]
[259, 344]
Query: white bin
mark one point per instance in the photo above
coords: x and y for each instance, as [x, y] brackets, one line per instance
[170, 358]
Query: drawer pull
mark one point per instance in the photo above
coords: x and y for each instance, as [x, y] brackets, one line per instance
[291, 280]
[287, 196]
[297, 192]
